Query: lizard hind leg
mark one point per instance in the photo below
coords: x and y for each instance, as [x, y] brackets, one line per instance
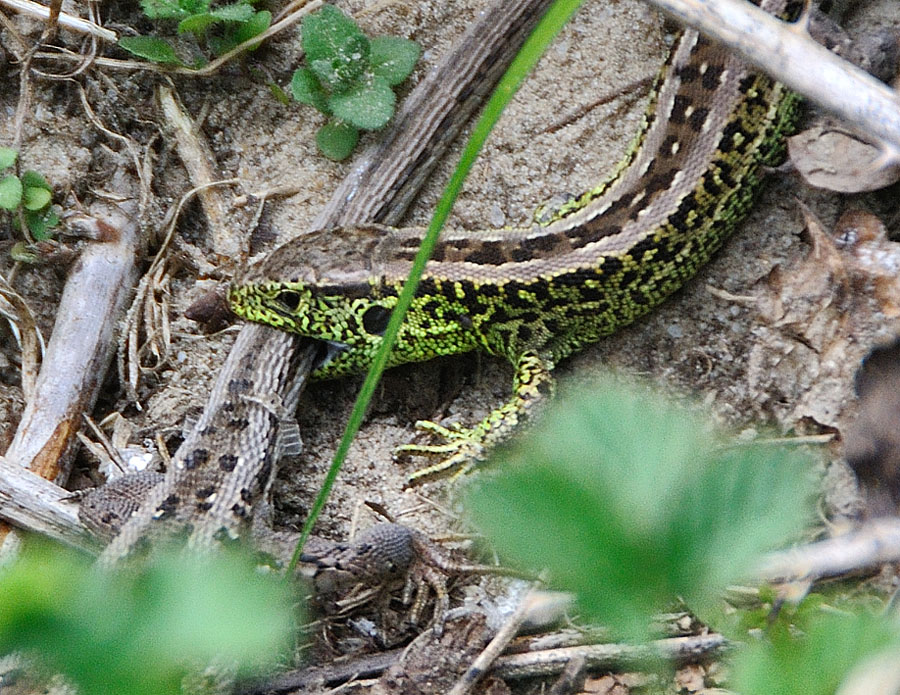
[463, 448]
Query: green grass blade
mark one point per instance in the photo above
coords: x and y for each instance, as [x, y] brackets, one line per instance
[553, 20]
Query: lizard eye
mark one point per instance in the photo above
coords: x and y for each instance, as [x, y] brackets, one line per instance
[289, 299]
[375, 319]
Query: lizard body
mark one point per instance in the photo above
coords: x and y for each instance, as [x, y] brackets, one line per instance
[536, 295]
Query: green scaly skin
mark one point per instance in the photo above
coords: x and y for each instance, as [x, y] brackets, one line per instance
[538, 295]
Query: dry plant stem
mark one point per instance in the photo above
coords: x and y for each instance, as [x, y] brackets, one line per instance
[571, 679]
[208, 69]
[67, 21]
[201, 165]
[545, 663]
[423, 122]
[786, 53]
[129, 340]
[875, 543]
[33, 503]
[14, 308]
[600, 657]
[82, 344]
[495, 647]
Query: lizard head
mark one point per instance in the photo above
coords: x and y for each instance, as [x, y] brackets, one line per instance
[340, 286]
[325, 286]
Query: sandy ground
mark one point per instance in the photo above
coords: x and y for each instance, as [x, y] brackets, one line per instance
[569, 124]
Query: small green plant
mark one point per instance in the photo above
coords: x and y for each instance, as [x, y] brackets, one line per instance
[220, 28]
[349, 77]
[29, 195]
[822, 657]
[632, 502]
[142, 629]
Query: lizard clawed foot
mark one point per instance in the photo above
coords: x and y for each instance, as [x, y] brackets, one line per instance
[461, 451]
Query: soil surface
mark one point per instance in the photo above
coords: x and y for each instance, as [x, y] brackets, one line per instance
[719, 340]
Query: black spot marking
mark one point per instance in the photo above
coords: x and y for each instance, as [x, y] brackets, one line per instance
[227, 462]
[519, 255]
[747, 83]
[728, 141]
[660, 182]
[611, 265]
[644, 249]
[688, 73]
[712, 77]
[629, 276]
[239, 510]
[544, 242]
[679, 108]
[239, 424]
[204, 492]
[236, 386]
[246, 495]
[375, 319]
[168, 507]
[698, 118]
[204, 506]
[725, 174]
[439, 253]
[196, 458]
[711, 187]
[668, 144]
[490, 253]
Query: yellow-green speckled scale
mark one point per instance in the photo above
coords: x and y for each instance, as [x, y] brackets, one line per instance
[538, 294]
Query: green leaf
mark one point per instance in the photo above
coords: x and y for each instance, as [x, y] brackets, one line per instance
[40, 222]
[368, 106]
[35, 198]
[7, 157]
[22, 253]
[140, 631]
[150, 48]
[328, 33]
[631, 502]
[393, 58]
[279, 93]
[10, 192]
[32, 179]
[336, 140]
[816, 661]
[197, 23]
[306, 88]
[170, 9]
[255, 26]
[236, 12]
[556, 16]
[336, 50]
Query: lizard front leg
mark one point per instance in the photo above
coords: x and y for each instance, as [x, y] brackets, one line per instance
[463, 447]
